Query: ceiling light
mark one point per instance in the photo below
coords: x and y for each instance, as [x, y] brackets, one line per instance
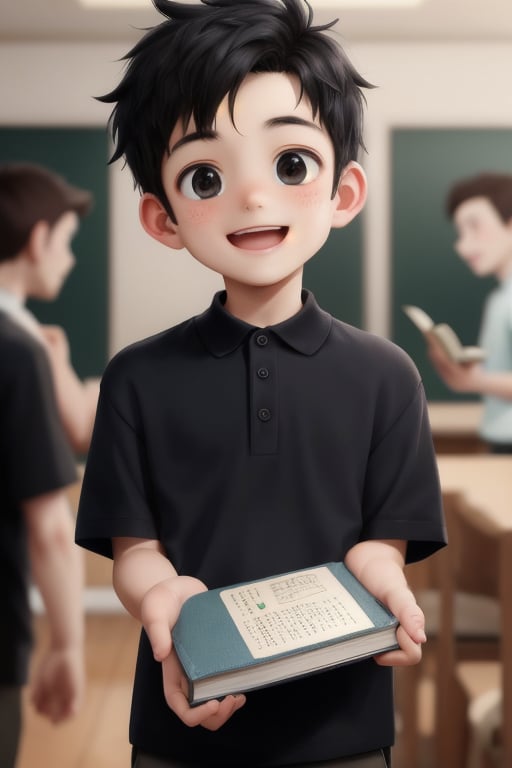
[355, 5]
[320, 4]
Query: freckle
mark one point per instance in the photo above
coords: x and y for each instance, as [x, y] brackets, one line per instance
[309, 198]
[198, 216]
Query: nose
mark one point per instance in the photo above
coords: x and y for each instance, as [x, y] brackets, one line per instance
[253, 202]
[460, 247]
[71, 260]
[252, 186]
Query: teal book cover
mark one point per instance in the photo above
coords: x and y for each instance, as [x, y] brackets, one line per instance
[245, 636]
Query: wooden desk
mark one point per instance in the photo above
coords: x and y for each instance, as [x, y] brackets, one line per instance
[484, 484]
[485, 481]
[455, 427]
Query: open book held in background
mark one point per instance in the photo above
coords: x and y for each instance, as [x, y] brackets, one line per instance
[445, 335]
[259, 633]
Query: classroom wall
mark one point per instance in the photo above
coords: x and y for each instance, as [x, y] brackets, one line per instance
[420, 85]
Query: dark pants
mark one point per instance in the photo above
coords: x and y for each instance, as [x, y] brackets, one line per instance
[500, 447]
[368, 760]
[10, 724]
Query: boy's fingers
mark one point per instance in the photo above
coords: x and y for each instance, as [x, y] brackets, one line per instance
[414, 624]
[409, 653]
[159, 636]
[227, 708]
[191, 716]
[409, 615]
[211, 715]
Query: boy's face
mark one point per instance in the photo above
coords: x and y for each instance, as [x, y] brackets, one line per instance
[56, 258]
[252, 200]
[484, 240]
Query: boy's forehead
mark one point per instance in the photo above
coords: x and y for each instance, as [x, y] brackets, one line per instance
[475, 207]
[261, 97]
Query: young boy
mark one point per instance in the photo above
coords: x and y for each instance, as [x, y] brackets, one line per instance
[481, 209]
[263, 435]
[38, 215]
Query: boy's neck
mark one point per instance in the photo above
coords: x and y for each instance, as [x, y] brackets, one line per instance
[12, 279]
[266, 305]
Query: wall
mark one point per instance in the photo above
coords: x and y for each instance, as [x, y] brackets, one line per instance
[437, 85]
[80, 154]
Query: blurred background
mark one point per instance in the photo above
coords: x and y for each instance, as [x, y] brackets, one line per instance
[442, 109]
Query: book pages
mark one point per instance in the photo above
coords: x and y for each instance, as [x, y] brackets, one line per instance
[288, 612]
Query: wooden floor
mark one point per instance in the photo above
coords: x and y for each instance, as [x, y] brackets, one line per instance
[98, 737]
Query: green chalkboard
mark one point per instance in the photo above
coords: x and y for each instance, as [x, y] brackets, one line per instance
[334, 275]
[425, 269]
[81, 156]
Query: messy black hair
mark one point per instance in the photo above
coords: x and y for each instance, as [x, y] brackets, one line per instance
[185, 66]
[496, 187]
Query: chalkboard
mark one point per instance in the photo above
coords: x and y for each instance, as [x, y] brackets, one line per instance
[80, 155]
[425, 269]
[334, 274]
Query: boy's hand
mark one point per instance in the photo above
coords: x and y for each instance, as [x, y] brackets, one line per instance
[211, 715]
[379, 566]
[459, 377]
[57, 688]
[411, 632]
[57, 341]
[159, 612]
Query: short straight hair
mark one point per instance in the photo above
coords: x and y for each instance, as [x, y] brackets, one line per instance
[496, 187]
[30, 193]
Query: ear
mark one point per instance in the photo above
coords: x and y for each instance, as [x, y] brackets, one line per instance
[155, 220]
[38, 240]
[351, 194]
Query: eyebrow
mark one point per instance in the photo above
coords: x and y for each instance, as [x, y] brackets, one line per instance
[194, 136]
[291, 120]
[273, 122]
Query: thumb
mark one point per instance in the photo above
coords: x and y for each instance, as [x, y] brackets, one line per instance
[159, 636]
[412, 620]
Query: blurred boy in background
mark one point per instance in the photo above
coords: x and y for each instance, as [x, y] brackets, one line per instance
[35, 260]
[481, 210]
[44, 412]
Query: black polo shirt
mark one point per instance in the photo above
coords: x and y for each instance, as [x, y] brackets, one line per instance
[35, 458]
[252, 451]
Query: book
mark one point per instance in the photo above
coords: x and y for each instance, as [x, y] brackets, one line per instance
[260, 633]
[445, 335]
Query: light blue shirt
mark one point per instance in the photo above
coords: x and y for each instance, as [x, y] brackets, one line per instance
[496, 340]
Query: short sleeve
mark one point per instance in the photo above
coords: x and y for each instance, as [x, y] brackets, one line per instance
[116, 486]
[402, 494]
[36, 457]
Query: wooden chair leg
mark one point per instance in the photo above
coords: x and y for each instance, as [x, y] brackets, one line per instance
[407, 681]
[452, 730]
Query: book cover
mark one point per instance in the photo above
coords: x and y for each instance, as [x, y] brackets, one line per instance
[259, 633]
[445, 336]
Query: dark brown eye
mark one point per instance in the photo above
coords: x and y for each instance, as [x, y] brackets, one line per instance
[295, 167]
[201, 183]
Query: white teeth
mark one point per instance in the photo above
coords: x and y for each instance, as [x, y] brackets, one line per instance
[255, 229]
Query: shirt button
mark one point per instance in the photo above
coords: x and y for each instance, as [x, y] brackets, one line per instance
[262, 373]
[264, 414]
[261, 340]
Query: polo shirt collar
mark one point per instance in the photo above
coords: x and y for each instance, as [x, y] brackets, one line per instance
[222, 333]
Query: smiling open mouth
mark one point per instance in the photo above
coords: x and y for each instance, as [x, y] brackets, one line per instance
[258, 238]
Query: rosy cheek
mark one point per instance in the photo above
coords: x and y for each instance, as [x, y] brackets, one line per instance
[308, 196]
[201, 212]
